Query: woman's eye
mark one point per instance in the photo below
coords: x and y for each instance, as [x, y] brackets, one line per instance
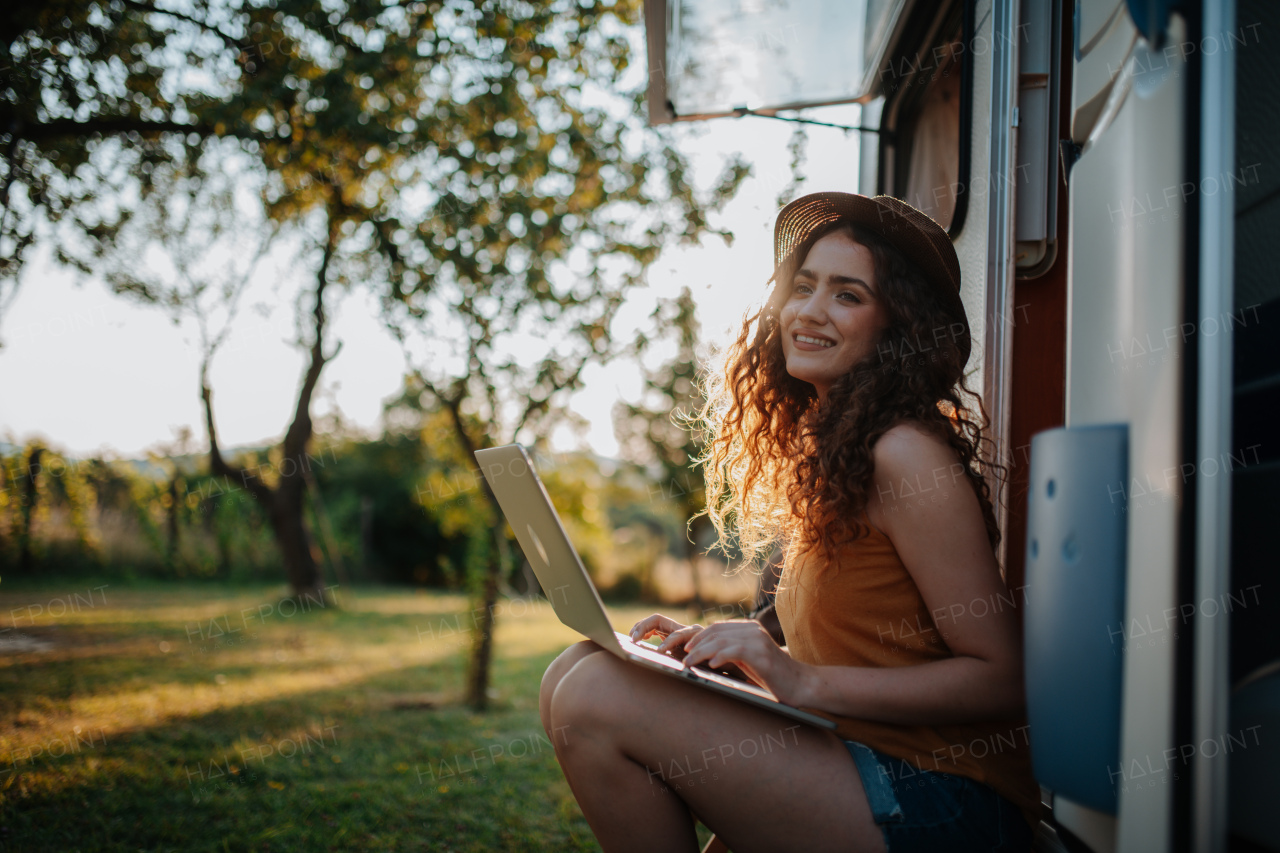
[799, 287]
[853, 297]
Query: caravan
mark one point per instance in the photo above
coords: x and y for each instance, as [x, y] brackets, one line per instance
[1107, 173]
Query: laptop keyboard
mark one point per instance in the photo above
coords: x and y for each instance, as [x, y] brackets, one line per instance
[648, 652]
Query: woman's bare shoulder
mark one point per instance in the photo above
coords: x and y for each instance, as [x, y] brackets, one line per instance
[909, 459]
[910, 444]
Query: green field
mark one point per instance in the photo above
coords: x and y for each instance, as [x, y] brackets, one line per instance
[198, 718]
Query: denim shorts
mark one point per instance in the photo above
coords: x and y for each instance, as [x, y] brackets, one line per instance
[927, 810]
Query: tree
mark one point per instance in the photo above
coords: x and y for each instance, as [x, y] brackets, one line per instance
[29, 487]
[107, 109]
[467, 157]
[211, 247]
[656, 428]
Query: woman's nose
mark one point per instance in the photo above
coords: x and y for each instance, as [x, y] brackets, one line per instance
[813, 310]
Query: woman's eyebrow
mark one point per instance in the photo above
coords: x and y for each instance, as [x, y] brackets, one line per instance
[835, 279]
[850, 280]
[847, 279]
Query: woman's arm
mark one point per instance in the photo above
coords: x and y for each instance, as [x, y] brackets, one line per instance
[943, 544]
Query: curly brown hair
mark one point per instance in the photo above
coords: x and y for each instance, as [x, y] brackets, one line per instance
[780, 463]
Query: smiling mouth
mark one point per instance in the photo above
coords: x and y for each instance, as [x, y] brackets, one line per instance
[809, 339]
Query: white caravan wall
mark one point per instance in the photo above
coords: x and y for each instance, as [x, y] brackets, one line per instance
[1125, 293]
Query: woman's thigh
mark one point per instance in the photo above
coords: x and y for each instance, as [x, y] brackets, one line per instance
[761, 781]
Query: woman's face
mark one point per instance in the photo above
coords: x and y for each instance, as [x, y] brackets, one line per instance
[833, 315]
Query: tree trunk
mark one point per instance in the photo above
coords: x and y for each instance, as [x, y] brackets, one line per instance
[482, 648]
[495, 564]
[283, 504]
[213, 526]
[283, 507]
[366, 537]
[296, 546]
[692, 552]
[30, 494]
[174, 531]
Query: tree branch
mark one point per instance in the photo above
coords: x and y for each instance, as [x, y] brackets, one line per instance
[109, 126]
[430, 386]
[453, 405]
[147, 7]
[295, 440]
[219, 466]
[543, 404]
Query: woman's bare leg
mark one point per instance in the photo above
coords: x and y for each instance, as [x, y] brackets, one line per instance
[555, 672]
[640, 750]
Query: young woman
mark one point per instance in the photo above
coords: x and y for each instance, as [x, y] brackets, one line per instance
[842, 423]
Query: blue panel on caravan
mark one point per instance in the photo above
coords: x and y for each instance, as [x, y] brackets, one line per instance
[1077, 518]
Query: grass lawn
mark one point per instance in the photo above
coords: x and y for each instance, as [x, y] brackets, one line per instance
[198, 718]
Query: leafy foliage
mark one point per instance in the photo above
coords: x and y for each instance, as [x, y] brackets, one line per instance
[109, 517]
[373, 491]
[466, 140]
[402, 509]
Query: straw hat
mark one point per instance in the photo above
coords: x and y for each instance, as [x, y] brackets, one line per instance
[922, 241]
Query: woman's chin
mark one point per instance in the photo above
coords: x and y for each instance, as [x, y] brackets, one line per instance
[810, 377]
[799, 369]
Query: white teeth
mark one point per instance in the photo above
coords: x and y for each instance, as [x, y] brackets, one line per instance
[819, 341]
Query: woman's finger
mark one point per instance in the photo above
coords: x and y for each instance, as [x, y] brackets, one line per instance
[638, 630]
[719, 629]
[654, 624]
[677, 639]
[700, 640]
[708, 648]
[718, 646]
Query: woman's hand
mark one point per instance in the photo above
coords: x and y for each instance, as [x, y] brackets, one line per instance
[747, 644]
[674, 635]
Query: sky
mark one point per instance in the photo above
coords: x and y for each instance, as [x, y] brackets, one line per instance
[92, 373]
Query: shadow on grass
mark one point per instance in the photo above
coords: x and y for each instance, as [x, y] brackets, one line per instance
[97, 659]
[385, 759]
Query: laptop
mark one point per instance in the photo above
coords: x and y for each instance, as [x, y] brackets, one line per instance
[510, 473]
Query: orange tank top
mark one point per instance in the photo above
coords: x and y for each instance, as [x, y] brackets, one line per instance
[867, 611]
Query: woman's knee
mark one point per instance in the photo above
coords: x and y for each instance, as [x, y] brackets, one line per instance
[597, 690]
[557, 670]
[565, 662]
